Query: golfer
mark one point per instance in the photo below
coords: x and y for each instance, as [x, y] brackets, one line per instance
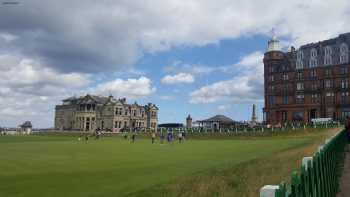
[153, 137]
[180, 137]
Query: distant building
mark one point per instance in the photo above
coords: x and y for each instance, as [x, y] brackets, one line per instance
[253, 121]
[88, 113]
[217, 122]
[189, 121]
[26, 128]
[307, 83]
[171, 125]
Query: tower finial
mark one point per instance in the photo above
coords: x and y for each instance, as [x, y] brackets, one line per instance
[273, 32]
[273, 44]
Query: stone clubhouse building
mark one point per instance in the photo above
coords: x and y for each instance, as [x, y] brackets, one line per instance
[88, 113]
[307, 83]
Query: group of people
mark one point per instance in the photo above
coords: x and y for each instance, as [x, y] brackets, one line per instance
[170, 137]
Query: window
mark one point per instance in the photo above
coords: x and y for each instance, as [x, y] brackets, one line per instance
[272, 100]
[313, 58]
[313, 53]
[313, 63]
[344, 58]
[313, 73]
[344, 70]
[344, 83]
[314, 86]
[300, 86]
[272, 78]
[285, 88]
[314, 98]
[299, 62]
[344, 97]
[328, 94]
[272, 89]
[285, 76]
[327, 83]
[285, 99]
[271, 69]
[284, 116]
[300, 75]
[300, 98]
[328, 72]
[118, 111]
[328, 55]
[330, 97]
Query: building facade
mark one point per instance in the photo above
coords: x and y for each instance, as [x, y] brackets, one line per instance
[307, 83]
[88, 113]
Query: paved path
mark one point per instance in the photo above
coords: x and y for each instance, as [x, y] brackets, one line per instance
[344, 190]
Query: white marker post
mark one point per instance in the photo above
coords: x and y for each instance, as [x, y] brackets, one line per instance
[305, 162]
[269, 191]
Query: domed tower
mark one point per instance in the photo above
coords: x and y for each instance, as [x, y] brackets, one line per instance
[189, 121]
[274, 60]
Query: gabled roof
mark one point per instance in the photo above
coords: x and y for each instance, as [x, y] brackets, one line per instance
[70, 98]
[26, 124]
[219, 118]
[92, 99]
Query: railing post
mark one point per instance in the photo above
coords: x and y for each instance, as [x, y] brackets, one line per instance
[269, 191]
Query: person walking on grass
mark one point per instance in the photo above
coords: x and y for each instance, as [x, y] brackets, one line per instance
[153, 137]
[347, 128]
[133, 137]
[180, 137]
[125, 135]
[86, 139]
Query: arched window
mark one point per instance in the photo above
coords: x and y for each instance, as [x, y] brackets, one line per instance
[299, 62]
[313, 58]
[327, 55]
[344, 53]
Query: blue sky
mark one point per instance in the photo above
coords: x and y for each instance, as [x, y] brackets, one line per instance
[198, 57]
[225, 53]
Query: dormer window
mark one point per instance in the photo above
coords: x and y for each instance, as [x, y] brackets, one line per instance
[313, 53]
[328, 55]
[344, 58]
[313, 58]
[300, 57]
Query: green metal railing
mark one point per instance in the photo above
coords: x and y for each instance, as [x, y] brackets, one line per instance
[319, 174]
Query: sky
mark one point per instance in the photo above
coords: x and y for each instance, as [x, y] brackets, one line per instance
[198, 57]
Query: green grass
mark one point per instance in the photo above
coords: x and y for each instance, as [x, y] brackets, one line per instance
[63, 166]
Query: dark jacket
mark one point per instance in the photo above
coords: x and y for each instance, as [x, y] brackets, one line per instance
[347, 125]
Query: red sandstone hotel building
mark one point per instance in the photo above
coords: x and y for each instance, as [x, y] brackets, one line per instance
[307, 83]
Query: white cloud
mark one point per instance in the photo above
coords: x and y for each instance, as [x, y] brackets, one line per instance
[177, 79]
[30, 91]
[130, 88]
[223, 108]
[7, 37]
[127, 29]
[246, 86]
[194, 69]
[167, 97]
